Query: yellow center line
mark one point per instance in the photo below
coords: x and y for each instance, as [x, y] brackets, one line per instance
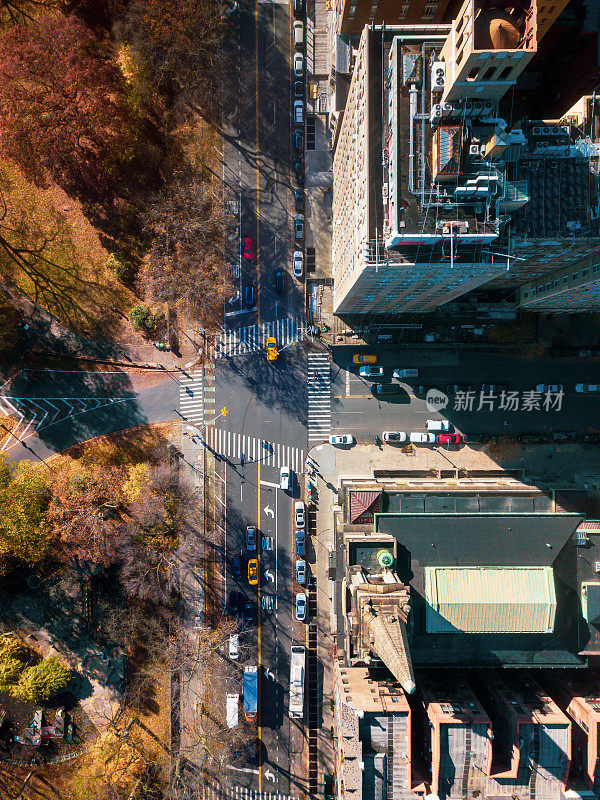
[258, 307]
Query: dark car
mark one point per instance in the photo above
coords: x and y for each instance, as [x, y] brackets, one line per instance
[249, 616]
[300, 541]
[299, 200]
[237, 567]
[421, 390]
[232, 605]
[298, 89]
[251, 537]
[453, 388]
[299, 172]
[279, 280]
[298, 140]
[298, 8]
[385, 389]
[249, 296]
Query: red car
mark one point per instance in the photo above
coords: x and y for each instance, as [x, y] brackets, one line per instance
[248, 247]
[448, 438]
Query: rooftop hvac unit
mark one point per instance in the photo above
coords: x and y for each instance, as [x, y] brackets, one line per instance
[546, 131]
[488, 107]
[447, 109]
[581, 538]
[438, 76]
[468, 108]
[536, 130]
[474, 150]
[436, 113]
[477, 108]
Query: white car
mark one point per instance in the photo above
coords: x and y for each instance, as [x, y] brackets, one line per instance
[587, 387]
[395, 436]
[234, 646]
[299, 514]
[371, 372]
[417, 437]
[440, 425]
[549, 388]
[298, 112]
[344, 438]
[298, 263]
[298, 65]
[285, 479]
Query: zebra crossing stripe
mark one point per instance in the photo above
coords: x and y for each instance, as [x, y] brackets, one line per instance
[233, 444]
[241, 341]
[319, 396]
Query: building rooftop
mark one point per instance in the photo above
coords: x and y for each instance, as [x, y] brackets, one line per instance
[426, 541]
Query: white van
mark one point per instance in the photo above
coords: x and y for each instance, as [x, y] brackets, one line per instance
[285, 479]
[234, 646]
[298, 33]
[440, 425]
[406, 373]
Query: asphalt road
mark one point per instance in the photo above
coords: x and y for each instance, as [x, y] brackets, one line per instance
[265, 401]
[356, 410]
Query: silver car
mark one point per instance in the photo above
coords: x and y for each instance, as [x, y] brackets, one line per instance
[301, 605]
[298, 263]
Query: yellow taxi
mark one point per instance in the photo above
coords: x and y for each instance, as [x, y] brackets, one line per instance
[253, 571]
[272, 352]
[364, 358]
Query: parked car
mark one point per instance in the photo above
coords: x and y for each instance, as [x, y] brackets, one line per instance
[298, 65]
[279, 280]
[454, 388]
[253, 571]
[587, 387]
[249, 296]
[438, 425]
[371, 372]
[301, 571]
[285, 479]
[298, 263]
[394, 436]
[300, 541]
[248, 248]
[298, 139]
[299, 514]
[448, 438]
[300, 607]
[299, 200]
[386, 389]
[298, 33]
[298, 89]
[234, 646]
[251, 538]
[494, 388]
[298, 227]
[298, 112]
[344, 438]
[298, 8]
[422, 389]
[249, 616]
[237, 567]
[364, 358]
[547, 388]
[417, 437]
[406, 372]
[232, 603]
[299, 172]
[272, 352]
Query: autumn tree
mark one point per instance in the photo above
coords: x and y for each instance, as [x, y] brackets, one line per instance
[85, 515]
[14, 12]
[62, 107]
[24, 530]
[185, 267]
[181, 42]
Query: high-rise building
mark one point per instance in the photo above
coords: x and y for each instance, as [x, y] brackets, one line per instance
[352, 15]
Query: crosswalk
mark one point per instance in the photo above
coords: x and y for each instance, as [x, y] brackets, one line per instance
[232, 445]
[191, 397]
[250, 338]
[216, 792]
[319, 396]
